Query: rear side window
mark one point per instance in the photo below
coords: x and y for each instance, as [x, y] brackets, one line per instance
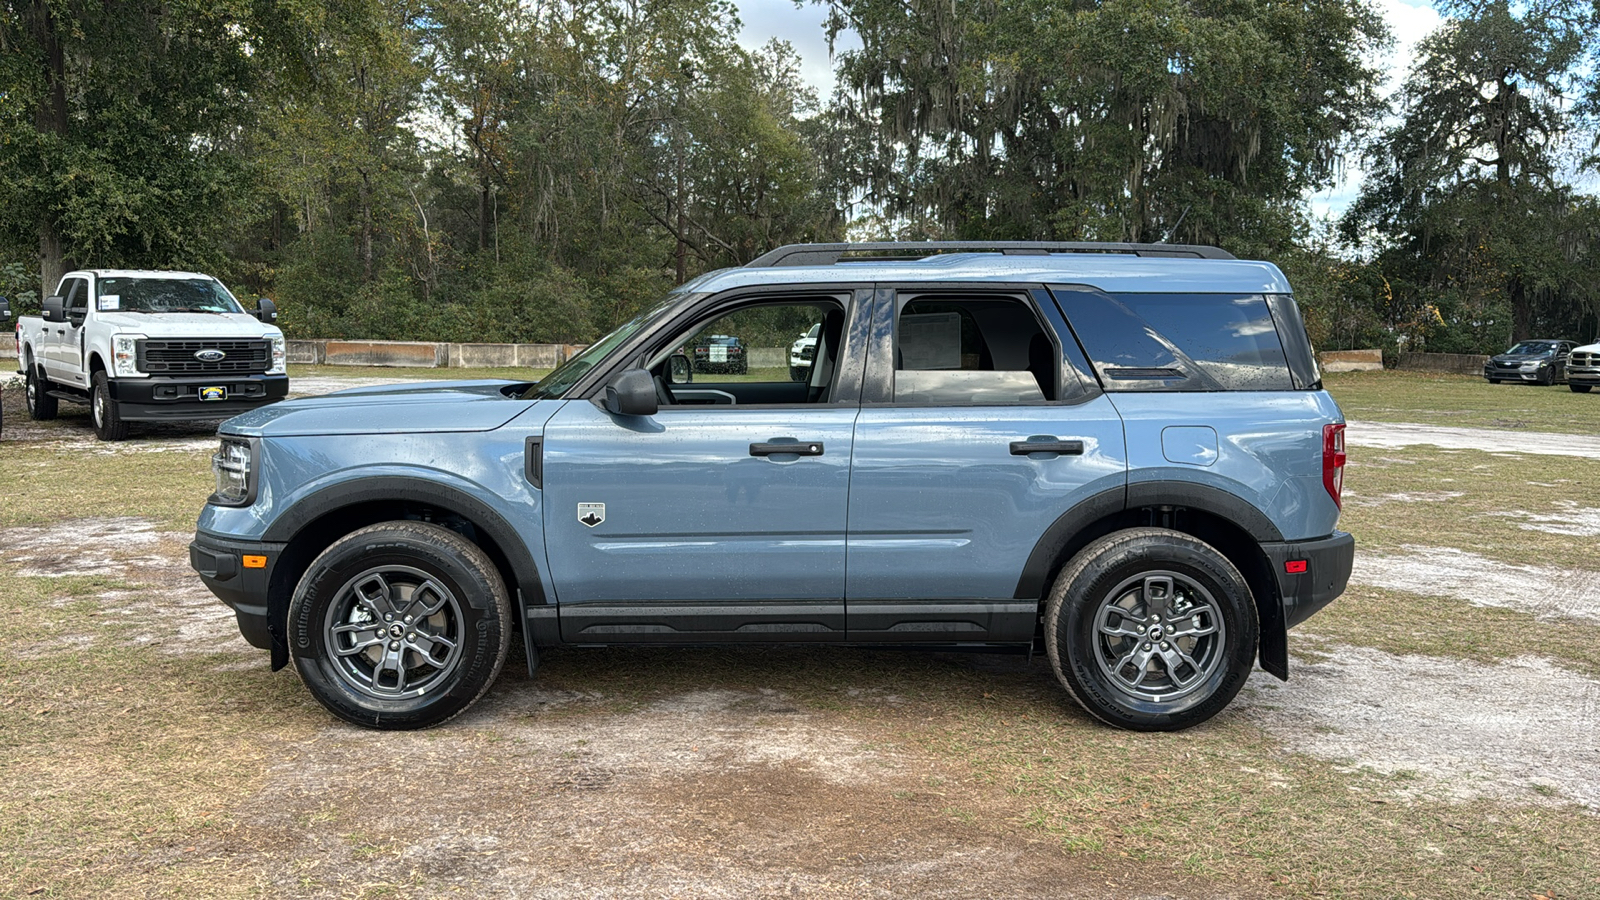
[1179, 342]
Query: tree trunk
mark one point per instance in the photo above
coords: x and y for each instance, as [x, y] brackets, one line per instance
[50, 118]
[366, 229]
[51, 264]
[1521, 310]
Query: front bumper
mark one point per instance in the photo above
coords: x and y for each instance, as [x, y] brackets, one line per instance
[245, 589]
[1492, 372]
[157, 398]
[1586, 375]
[1327, 563]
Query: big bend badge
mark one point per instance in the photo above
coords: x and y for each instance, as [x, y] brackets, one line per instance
[591, 514]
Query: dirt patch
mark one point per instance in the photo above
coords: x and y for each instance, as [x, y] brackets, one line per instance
[1573, 520]
[1353, 499]
[1446, 572]
[714, 793]
[1524, 730]
[1390, 435]
[164, 604]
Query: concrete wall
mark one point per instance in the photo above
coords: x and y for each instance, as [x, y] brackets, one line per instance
[421, 354]
[1351, 360]
[1449, 363]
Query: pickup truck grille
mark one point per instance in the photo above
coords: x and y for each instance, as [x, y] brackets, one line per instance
[1584, 359]
[243, 357]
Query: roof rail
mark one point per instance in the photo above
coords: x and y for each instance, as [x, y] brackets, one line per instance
[830, 254]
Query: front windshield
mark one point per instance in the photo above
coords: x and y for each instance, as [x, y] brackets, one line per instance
[165, 295]
[1527, 348]
[561, 380]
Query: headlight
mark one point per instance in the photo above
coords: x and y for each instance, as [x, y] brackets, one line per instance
[234, 466]
[125, 355]
[280, 356]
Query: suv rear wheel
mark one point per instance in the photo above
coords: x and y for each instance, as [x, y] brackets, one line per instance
[1151, 629]
[400, 625]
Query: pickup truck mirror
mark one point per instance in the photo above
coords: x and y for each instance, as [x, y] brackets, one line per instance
[5, 308]
[54, 309]
[633, 393]
[266, 311]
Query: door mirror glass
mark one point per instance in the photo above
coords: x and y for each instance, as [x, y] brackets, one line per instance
[266, 311]
[679, 369]
[54, 309]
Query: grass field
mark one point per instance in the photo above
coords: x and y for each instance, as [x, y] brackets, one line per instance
[1430, 399]
[145, 750]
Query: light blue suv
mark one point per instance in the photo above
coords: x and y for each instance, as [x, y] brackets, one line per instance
[1119, 453]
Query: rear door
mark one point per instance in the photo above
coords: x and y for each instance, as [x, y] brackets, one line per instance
[980, 427]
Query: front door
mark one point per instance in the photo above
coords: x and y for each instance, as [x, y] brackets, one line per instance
[62, 352]
[722, 517]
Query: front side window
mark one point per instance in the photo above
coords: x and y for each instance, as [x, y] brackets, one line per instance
[972, 351]
[759, 354]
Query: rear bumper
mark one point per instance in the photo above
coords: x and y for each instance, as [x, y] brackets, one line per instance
[1327, 570]
[149, 399]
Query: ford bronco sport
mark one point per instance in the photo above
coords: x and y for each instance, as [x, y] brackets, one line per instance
[1119, 453]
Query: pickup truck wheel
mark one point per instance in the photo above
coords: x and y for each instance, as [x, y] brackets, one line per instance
[108, 424]
[1151, 629]
[400, 625]
[41, 406]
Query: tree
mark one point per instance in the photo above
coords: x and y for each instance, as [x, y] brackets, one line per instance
[1468, 196]
[1199, 120]
[113, 115]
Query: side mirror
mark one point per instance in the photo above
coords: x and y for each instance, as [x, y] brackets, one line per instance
[633, 393]
[679, 369]
[54, 309]
[5, 308]
[266, 311]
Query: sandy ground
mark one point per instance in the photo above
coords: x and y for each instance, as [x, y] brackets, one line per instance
[1389, 435]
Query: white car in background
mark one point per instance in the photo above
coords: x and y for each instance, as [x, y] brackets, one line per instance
[1583, 368]
[801, 353]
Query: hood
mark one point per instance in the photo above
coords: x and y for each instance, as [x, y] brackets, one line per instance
[1521, 357]
[189, 325]
[418, 408]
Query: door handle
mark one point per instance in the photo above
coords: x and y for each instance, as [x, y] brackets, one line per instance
[798, 448]
[1048, 445]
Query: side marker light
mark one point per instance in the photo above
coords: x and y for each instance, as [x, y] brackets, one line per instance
[260, 562]
[1293, 566]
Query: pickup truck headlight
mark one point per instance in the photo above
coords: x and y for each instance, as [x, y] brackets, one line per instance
[125, 355]
[235, 467]
[280, 356]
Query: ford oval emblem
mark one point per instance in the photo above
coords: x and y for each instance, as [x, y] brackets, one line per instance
[210, 355]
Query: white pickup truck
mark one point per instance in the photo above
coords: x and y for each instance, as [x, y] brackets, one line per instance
[148, 346]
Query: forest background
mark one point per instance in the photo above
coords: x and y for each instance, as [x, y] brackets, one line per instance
[537, 170]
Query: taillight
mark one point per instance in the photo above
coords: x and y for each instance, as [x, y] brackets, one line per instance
[1333, 460]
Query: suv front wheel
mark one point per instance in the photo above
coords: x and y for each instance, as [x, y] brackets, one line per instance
[1151, 629]
[400, 625]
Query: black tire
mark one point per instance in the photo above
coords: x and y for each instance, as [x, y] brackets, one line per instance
[799, 373]
[380, 575]
[41, 406]
[1546, 378]
[1106, 608]
[1579, 388]
[107, 416]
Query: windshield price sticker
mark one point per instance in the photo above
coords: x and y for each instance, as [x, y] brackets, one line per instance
[109, 302]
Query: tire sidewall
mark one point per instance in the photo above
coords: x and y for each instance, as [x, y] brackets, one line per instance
[1113, 564]
[485, 623]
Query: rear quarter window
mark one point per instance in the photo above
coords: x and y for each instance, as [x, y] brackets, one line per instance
[1179, 342]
